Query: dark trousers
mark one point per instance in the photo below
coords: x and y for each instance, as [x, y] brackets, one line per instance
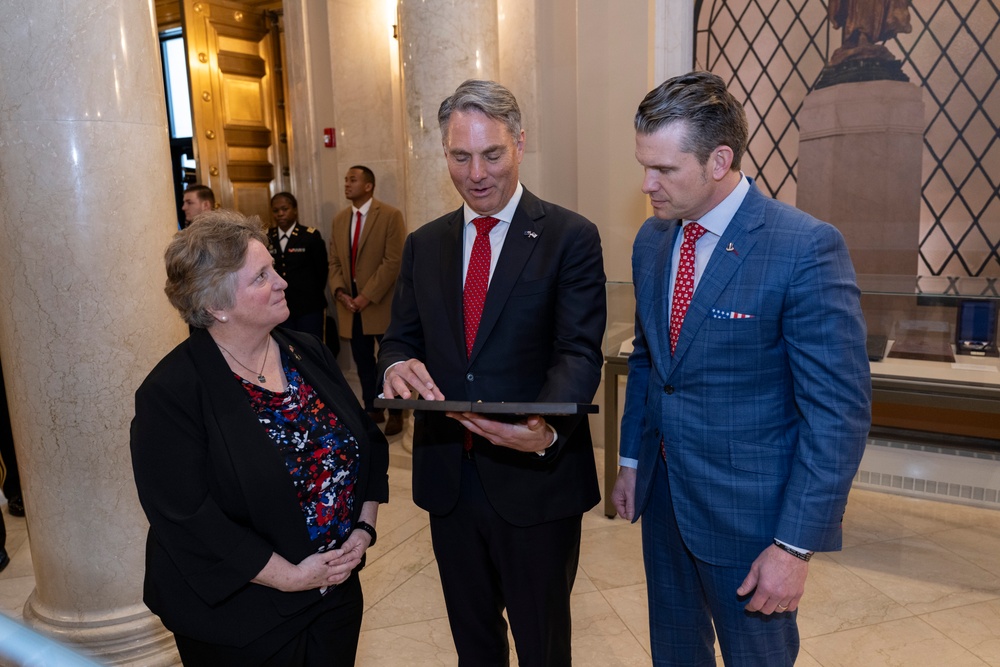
[487, 564]
[308, 323]
[688, 596]
[363, 351]
[328, 640]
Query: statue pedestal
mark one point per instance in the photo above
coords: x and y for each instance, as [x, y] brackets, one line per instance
[860, 150]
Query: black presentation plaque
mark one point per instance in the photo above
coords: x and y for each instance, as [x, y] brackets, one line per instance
[491, 408]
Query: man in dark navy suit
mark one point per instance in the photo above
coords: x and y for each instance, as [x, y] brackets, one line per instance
[506, 499]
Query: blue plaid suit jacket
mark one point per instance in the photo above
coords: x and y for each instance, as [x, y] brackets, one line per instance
[764, 418]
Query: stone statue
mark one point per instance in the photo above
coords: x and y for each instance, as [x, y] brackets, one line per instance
[865, 24]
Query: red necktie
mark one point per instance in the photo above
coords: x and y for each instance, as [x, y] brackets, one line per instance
[684, 282]
[354, 244]
[477, 280]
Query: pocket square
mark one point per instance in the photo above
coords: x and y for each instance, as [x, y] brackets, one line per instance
[719, 314]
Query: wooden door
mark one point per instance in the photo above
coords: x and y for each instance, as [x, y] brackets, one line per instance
[236, 93]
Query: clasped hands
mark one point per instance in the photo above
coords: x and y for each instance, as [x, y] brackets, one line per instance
[355, 305]
[329, 568]
[530, 435]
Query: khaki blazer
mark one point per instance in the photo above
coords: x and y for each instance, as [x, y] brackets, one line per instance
[380, 252]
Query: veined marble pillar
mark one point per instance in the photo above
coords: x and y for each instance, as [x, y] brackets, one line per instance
[86, 211]
[442, 43]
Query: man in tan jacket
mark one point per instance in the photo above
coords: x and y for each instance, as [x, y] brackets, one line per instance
[366, 248]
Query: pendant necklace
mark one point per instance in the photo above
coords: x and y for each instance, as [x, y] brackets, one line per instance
[260, 375]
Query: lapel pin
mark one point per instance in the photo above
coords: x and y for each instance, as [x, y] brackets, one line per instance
[730, 248]
[531, 235]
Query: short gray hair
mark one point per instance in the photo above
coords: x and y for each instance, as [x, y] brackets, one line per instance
[202, 261]
[487, 97]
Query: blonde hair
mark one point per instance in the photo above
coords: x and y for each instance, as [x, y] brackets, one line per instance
[202, 261]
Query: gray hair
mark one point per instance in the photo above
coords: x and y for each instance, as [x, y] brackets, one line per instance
[701, 102]
[202, 261]
[487, 97]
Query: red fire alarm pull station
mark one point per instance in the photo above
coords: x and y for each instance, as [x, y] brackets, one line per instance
[329, 137]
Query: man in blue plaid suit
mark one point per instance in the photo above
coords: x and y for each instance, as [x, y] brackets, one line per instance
[741, 437]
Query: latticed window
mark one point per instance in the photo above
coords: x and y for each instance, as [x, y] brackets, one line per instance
[771, 52]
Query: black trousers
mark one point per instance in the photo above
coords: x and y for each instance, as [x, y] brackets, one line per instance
[325, 637]
[363, 351]
[487, 565]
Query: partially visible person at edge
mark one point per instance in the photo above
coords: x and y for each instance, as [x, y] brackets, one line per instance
[259, 471]
[366, 247]
[10, 476]
[502, 299]
[300, 258]
[196, 200]
[745, 418]
[6, 449]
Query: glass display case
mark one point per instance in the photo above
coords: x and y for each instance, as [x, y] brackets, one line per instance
[933, 351]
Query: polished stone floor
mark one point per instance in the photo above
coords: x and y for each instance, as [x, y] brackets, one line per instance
[917, 584]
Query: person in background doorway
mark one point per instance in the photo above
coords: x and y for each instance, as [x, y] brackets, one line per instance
[197, 199]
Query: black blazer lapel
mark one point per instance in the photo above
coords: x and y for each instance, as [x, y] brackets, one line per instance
[265, 484]
[451, 261]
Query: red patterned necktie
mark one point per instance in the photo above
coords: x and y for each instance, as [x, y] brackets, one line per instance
[354, 244]
[684, 282]
[477, 280]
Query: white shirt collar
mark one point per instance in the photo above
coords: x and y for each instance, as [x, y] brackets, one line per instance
[364, 208]
[719, 217]
[506, 214]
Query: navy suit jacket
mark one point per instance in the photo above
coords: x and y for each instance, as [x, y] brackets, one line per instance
[764, 419]
[539, 340]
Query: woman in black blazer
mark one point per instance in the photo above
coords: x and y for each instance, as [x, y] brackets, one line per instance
[259, 471]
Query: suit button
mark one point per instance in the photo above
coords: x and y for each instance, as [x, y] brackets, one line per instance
[668, 389]
[470, 377]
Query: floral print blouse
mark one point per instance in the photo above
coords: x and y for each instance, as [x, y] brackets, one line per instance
[320, 453]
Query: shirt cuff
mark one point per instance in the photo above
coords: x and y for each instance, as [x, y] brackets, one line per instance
[625, 462]
[555, 436]
[793, 547]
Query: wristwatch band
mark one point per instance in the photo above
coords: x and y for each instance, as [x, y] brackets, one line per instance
[368, 528]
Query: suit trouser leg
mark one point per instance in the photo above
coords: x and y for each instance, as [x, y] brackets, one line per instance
[363, 351]
[687, 596]
[487, 564]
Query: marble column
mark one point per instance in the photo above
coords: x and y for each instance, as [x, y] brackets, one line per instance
[86, 210]
[442, 43]
[860, 150]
